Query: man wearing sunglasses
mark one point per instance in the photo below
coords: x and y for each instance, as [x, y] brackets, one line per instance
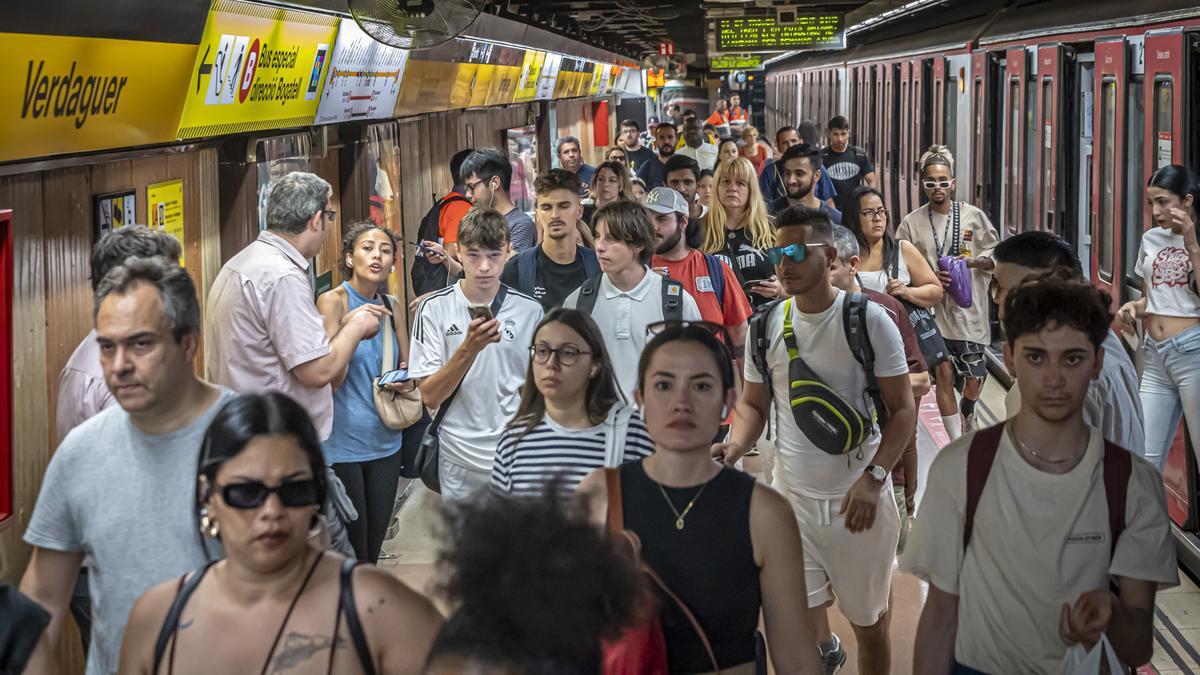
[941, 228]
[119, 489]
[843, 502]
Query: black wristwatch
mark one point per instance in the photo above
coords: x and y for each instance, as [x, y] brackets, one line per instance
[877, 472]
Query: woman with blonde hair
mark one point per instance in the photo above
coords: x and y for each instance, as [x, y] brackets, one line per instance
[739, 231]
[610, 183]
[757, 153]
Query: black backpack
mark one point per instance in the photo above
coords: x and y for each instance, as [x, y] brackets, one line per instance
[427, 276]
[672, 297]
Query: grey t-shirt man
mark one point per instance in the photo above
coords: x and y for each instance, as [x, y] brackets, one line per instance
[521, 230]
[125, 499]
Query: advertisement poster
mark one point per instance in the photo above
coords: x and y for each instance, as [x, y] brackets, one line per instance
[530, 71]
[164, 201]
[114, 210]
[548, 76]
[256, 68]
[508, 74]
[363, 79]
[74, 94]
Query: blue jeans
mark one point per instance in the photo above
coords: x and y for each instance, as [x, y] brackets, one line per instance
[1170, 390]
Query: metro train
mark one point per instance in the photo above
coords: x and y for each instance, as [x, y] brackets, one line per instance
[1057, 112]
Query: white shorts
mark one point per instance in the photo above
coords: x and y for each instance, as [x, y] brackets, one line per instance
[460, 483]
[856, 569]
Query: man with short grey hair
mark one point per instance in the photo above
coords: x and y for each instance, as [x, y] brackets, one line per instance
[262, 326]
[570, 157]
[119, 490]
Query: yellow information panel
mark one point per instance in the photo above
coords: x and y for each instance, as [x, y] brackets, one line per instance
[165, 203]
[73, 94]
[257, 67]
[508, 72]
[531, 70]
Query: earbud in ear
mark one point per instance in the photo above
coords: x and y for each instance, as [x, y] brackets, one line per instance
[724, 411]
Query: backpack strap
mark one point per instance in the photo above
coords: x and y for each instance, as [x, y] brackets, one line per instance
[614, 524]
[1118, 465]
[170, 624]
[586, 301]
[353, 624]
[980, 458]
[854, 322]
[672, 299]
[716, 274]
[527, 270]
[758, 340]
[591, 264]
[618, 429]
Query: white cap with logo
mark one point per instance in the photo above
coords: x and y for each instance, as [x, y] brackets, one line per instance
[666, 200]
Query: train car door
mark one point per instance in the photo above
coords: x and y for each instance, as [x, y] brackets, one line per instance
[919, 130]
[1166, 55]
[904, 139]
[939, 100]
[1050, 205]
[985, 139]
[1016, 74]
[1108, 174]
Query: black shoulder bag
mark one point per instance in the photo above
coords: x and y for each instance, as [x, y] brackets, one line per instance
[933, 347]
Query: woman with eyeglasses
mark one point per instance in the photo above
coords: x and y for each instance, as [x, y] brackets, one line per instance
[727, 546]
[738, 230]
[572, 417]
[888, 265]
[616, 154]
[275, 599]
[362, 451]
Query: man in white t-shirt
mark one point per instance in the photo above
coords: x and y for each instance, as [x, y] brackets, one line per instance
[1021, 555]
[1113, 404]
[473, 337]
[627, 297]
[844, 504]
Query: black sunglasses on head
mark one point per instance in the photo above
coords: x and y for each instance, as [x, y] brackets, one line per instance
[253, 494]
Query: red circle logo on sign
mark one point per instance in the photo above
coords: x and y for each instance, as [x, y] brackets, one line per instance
[248, 72]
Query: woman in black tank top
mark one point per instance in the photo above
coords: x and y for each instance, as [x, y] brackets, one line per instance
[275, 603]
[727, 546]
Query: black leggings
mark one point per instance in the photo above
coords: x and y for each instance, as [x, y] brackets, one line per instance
[372, 489]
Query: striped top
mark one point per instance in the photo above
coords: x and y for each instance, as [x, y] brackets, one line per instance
[526, 464]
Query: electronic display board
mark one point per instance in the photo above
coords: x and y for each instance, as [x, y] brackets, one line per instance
[735, 62]
[765, 34]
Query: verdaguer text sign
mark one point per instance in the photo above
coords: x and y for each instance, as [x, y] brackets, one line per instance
[764, 33]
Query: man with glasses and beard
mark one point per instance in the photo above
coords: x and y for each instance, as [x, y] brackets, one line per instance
[947, 227]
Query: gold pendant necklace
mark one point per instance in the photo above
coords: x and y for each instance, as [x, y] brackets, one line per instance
[680, 516]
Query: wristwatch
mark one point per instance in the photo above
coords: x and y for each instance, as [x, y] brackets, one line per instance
[877, 472]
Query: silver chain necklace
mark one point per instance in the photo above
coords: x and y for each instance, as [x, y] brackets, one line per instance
[1012, 433]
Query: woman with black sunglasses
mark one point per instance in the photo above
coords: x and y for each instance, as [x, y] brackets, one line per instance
[727, 546]
[276, 599]
[572, 417]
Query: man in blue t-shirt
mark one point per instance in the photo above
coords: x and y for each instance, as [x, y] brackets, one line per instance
[570, 157]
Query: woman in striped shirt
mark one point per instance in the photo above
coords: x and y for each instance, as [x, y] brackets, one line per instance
[572, 417]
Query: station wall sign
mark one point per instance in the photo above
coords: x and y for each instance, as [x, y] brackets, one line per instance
[765, 34]
[531, 69]
[363, 78]
[257, 67]
[549, 76]
[503, 88]
[77, 94]
[747, 62]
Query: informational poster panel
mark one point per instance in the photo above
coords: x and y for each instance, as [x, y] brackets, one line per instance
[548, 76]
[766, 34]
[363, 79]
[257, 68]
[531, 70]
[164, 201]
[114, 210]
[503, 87]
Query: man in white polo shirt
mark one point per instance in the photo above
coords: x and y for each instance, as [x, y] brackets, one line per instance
[470, 349]
[627, 297]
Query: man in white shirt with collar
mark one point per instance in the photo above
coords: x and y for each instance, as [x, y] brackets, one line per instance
[470, 350]
[627, 297]
[262, 330]
[694, 146]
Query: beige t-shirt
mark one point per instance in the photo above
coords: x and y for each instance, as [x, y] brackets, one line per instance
[1040, 540]
[926, 230]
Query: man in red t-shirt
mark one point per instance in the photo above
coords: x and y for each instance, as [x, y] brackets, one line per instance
[722, 301]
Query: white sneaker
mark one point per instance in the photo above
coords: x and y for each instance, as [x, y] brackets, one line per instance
[835, 658]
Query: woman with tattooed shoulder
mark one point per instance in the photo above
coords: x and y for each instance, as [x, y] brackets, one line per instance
[276, 603]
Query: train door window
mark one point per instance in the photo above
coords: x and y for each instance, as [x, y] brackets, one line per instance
[1134, 176]
[1012, 215]
[1046, 148]
[1108, 165]
[950, 112]
[1029, 184]
[978, 140]
[1164, 131]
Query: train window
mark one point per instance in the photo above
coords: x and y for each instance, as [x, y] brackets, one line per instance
[1012, 189]
[1164, 118]
[977, 141]
[1135, 144]
[1029, 219]
[1108, 165]
[1047, 150]
[950, 113]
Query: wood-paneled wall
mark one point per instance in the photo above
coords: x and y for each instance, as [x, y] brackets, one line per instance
[574, 118]
[52, 298]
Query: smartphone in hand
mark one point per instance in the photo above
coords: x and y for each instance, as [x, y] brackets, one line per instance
[480, 312]
[392, 376]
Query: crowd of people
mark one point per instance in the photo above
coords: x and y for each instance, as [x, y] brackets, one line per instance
[584, 367]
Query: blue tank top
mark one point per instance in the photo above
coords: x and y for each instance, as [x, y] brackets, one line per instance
[358, 433]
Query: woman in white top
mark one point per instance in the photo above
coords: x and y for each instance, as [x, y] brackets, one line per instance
[888, 265]
[1170, 311]
[572, 417]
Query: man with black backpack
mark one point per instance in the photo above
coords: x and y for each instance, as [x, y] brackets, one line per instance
[628, 297]
[829, 361]
[1037, 534]
[550, 271]
[438, 235]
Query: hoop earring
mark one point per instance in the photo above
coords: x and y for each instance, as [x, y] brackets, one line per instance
[209, 525]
